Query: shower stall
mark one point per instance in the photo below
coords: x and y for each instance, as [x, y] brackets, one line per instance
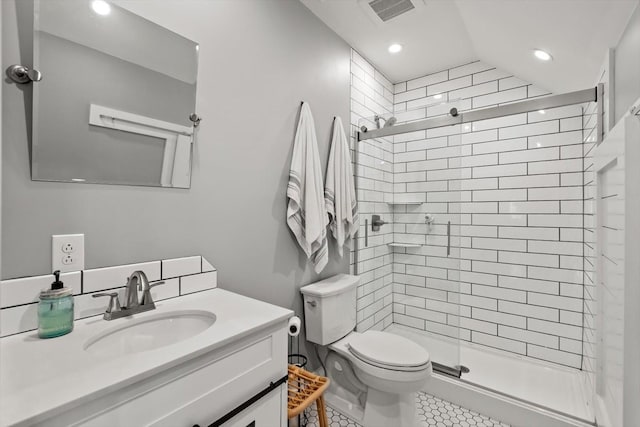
[475, 240]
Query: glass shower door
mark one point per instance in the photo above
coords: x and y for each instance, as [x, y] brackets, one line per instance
[425, 205]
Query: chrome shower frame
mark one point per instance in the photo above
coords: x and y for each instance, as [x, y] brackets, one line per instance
[542, 103]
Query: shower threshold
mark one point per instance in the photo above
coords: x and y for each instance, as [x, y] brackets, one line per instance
[544, 385]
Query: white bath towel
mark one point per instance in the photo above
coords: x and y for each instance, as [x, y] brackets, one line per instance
[339, 191]
[306, 213]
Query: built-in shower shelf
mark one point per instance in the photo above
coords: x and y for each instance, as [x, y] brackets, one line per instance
[404, 245]
[405, 203]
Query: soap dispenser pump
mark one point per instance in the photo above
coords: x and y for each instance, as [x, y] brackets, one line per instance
[55, 310]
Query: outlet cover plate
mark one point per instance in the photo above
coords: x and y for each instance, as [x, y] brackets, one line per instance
[67, 252]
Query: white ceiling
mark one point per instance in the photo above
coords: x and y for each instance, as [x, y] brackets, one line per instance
[439, 34]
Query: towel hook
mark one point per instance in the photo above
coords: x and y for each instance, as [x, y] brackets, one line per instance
[21, 74]
[195, 119]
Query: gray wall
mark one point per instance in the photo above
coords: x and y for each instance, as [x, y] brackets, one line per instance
[627, 66]
[258, 60]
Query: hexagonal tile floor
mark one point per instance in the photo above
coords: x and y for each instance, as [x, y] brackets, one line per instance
[432, 411]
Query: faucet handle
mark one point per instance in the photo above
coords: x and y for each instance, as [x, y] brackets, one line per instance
[151, 285]
[146, 296]
[113, 296]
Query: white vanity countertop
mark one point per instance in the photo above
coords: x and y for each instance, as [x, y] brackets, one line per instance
[42, 377]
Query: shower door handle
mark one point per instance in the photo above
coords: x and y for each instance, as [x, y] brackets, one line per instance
[448, 238]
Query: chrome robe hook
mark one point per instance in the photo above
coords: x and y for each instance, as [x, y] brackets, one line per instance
[21, 74]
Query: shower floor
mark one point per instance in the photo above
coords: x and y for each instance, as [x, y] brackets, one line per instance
[544, 384]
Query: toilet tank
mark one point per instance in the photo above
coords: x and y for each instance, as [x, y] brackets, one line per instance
[330, 308]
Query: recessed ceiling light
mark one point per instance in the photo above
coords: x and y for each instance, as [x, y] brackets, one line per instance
[542, 55]
[438, 96]
[101, 7]
[395, 48]
[542, 112]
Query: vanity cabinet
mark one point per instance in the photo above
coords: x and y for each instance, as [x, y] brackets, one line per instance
[199, 391]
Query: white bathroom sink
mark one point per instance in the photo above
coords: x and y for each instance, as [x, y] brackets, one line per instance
[150, 332]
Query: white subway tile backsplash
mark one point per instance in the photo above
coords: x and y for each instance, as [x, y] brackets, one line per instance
[18, 319]
[23, 293]
[98, 279]
[27, 290]
[181, 266]
[206, 266]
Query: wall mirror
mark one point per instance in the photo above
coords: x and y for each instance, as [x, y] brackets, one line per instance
[115, 97]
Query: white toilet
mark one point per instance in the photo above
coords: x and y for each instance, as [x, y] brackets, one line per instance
[388, 369]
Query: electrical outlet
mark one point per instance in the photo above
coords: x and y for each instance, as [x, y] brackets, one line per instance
[67, 252]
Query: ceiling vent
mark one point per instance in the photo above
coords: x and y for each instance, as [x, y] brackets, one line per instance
[389, 9]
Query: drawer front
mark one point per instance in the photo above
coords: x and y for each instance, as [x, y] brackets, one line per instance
[198, 392]
[270, 411]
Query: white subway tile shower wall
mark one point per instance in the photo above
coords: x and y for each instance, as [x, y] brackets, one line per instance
[513, 189]
[20, 296]
[371, 94]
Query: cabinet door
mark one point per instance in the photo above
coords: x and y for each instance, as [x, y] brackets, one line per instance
[267, 412]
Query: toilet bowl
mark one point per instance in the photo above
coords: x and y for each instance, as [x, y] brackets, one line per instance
[387, 370]
[393, 369]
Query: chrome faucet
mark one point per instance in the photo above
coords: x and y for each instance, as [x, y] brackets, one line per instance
[138, 281]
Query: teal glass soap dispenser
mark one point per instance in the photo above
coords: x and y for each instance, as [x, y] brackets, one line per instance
[55, 310]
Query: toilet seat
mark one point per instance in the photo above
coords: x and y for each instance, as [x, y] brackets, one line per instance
[388, 351]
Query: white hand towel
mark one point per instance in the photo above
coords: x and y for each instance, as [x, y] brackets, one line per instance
[306, 213]
[340, 192]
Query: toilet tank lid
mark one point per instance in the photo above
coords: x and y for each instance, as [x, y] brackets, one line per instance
[333, 285]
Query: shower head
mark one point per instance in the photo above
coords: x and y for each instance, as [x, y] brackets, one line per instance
[387, 122]
[390, 121]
